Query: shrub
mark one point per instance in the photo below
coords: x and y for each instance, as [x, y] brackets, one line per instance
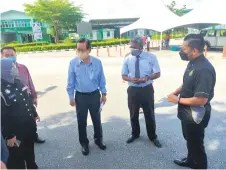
[48, 47]
[27, 44]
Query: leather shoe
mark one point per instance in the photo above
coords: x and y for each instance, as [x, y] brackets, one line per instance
[157, 143]
[182, 162]
[85, 150]
[132, 138]
[39, 140]
[101, 145]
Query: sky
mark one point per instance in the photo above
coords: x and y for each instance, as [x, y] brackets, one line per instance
[103, 9]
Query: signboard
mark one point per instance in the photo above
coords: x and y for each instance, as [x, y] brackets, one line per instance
[37, 31]
[84, 28]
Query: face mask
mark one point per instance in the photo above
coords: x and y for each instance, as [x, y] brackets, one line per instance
[12, 58]
[14, 72]
[135, 52]
[184, 56]
[83, 55]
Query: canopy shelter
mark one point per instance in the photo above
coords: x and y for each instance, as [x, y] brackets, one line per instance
[207, 13]
[158, 18]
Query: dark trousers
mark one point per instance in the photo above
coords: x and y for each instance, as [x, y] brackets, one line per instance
[148, 46]
[22, 157]
[84, 103]
[194, 135]
[142, 97]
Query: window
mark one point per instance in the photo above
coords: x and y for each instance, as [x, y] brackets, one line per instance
[211, 33]
[203, 33]
[222, 33]
[108, 34]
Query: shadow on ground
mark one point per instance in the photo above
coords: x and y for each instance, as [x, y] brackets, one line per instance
[62, 149]
[42, 93]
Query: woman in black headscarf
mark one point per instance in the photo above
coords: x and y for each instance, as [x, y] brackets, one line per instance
[17, 121]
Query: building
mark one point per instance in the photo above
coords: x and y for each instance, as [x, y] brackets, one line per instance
[110, 28]
[16, 26]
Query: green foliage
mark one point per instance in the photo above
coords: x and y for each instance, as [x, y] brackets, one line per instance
[48, 47]
[58, 14]
[27, 44]
[177, 11]
[67, 41]
[45, 47]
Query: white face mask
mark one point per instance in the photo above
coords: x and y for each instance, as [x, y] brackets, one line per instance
[83, 55]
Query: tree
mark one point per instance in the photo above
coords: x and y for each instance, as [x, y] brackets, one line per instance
[58, 14]
[177, 11]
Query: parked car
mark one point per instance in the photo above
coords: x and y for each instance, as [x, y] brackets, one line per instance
[214, 38]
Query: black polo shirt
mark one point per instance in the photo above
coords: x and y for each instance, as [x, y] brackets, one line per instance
[198, 81]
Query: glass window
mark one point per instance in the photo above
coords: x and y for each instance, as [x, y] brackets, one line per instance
[211, 33]
[203, 33]
[222, 33]
[108, 34]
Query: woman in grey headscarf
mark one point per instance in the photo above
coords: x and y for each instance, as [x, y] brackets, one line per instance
[17, 121]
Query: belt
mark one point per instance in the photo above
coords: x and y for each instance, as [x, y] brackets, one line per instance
[87, 93]
[140, 87]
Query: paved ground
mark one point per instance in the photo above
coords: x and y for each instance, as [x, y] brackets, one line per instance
[59, 127]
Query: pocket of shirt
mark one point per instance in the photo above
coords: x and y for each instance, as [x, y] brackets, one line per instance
[93, 74]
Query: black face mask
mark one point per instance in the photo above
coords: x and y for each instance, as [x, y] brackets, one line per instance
[183, 55]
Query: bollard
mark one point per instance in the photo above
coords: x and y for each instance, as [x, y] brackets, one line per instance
[116, 48]
[124, 47]
[97, 51]
[108, 51]
[120, 51]
[224, 51]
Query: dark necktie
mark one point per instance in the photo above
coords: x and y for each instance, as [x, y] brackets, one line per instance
[137, 67]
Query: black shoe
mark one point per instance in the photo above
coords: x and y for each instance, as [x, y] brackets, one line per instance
[39, 140]
[85, 150]
[157, 143]
[182, 162]
[100, 144]
[132, 138]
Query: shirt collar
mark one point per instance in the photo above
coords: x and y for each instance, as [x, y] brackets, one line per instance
[198, 59]
[91, 60]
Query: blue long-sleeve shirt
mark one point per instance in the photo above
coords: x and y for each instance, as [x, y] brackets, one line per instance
[4, 151]
[85, 77]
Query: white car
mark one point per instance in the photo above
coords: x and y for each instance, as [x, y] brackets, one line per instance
[214, 38]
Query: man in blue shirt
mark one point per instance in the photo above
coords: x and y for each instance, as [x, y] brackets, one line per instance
[140, 68]
[85, 82]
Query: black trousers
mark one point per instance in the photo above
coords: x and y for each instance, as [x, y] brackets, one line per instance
[88, 102]
[194, 135]
[148, 46]
[22, 157]
[142, 97]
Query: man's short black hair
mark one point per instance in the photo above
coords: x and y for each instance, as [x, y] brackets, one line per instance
[84, 40]
[7, 48]
[195, 41]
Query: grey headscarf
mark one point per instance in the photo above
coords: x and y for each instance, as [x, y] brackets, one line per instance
[8, 72]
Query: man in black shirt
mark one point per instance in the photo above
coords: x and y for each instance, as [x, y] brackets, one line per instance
[193, 99]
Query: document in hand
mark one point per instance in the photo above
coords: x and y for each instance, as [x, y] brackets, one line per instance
[101, 106]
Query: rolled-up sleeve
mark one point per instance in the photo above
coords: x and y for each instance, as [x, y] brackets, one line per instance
[203, 83]
[155, 64]
[71, 81]
[102, 80]
[125, 69]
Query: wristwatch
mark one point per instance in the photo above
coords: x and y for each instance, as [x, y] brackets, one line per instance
[104, 94]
